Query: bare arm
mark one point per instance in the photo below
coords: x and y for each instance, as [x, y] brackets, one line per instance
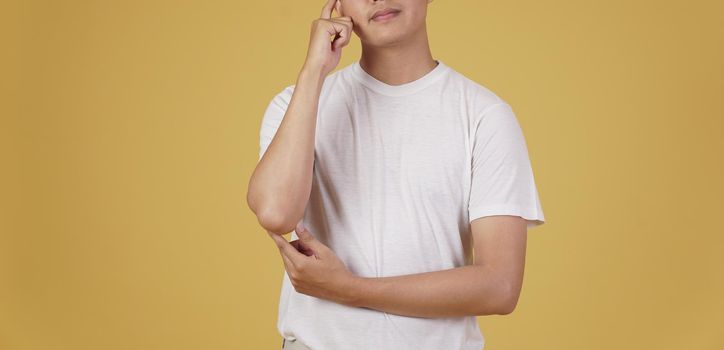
[281, 183]
[490, 286]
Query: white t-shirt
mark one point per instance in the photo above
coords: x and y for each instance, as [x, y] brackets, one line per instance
[400, 171]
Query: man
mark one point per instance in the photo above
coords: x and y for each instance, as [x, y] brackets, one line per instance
[409, 185]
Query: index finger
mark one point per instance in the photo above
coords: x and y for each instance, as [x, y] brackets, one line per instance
[328, 8]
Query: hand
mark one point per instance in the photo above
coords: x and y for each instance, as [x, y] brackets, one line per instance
[314, 269]
[322, 55]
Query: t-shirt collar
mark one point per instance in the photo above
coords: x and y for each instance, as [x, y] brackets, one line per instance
[398, 90]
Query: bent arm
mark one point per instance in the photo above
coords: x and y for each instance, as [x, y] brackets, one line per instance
[492, 285]
[281, 183]
[461, 291]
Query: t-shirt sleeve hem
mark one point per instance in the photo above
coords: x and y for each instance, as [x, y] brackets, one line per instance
[534, 217]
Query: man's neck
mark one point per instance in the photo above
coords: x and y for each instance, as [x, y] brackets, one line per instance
[401, 63]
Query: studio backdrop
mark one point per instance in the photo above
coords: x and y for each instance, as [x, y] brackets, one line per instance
[129, 131]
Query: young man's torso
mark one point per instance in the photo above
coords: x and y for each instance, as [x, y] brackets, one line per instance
[399, 173]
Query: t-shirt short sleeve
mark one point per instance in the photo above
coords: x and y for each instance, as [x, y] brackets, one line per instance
[273, 116]
[502, 176]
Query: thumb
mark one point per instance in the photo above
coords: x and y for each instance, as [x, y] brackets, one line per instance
[300, 227]
[316, 248]
[311, 241]
[305, 235]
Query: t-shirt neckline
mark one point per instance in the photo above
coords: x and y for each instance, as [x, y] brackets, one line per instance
[398, 90]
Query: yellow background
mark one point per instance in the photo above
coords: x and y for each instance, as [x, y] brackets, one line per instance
[131, 128]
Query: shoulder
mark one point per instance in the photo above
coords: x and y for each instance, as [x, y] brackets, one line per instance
[478, 97]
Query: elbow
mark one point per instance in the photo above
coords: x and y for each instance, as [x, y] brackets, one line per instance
[507, 308]
[274, 217]
[508, 300]
[276, 221]
[269, 216]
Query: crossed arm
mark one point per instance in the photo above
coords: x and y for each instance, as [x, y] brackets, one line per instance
[490, 286]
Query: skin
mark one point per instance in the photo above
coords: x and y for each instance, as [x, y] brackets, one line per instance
[281, 183]
[395, 52]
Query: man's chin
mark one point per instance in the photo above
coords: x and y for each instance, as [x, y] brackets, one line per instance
[385, 41]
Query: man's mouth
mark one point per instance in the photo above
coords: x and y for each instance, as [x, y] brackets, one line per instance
[385, 14]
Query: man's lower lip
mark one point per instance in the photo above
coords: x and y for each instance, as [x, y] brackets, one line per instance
[386, 16]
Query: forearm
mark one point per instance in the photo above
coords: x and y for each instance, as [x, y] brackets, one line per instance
[280, 185]
[461, 291]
